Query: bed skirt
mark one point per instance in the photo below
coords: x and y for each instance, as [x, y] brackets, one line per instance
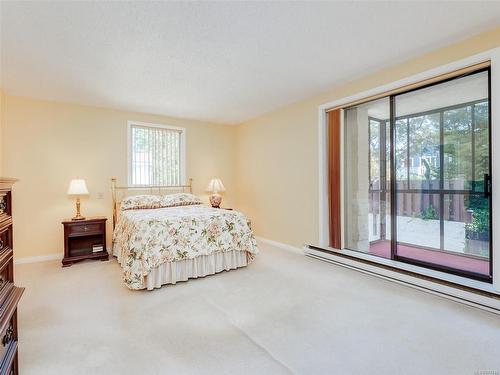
[204, 265]
[171, 272]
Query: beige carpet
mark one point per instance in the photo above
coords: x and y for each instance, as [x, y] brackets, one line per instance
[285, 313]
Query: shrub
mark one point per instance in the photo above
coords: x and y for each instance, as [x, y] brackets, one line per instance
[429, 213]
[480, 221]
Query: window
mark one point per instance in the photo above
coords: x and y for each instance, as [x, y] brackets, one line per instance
[156, 155]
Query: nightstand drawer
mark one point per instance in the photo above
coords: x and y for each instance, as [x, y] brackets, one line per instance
[85, 228]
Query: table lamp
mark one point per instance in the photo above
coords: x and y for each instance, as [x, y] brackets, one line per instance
[77, 188]
[215, 186]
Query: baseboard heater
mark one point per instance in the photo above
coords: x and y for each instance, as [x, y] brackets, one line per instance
[469, 295]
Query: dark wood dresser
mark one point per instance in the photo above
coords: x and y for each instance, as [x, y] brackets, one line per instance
[9, 293]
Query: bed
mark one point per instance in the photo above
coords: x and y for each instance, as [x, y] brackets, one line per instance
[168, 235]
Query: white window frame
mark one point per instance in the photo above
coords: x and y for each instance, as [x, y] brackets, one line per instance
[182, 131]
[493, 56]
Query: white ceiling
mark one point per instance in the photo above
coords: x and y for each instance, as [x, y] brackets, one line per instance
[217, 61]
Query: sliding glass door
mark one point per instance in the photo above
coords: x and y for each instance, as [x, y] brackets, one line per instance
[417, 177]
[442, 176]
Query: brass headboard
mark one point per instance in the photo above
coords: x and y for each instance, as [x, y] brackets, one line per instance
[119, 192]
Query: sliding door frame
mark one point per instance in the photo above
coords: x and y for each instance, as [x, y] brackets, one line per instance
[493, 57]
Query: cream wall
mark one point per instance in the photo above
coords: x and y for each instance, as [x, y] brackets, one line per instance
[277, 154]
[46, 144]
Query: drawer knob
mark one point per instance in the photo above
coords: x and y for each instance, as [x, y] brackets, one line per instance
[9, 335]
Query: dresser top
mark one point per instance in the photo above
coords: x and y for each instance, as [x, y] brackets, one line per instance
[7, 182]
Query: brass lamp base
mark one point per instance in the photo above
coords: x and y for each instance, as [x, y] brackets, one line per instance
[78, 215]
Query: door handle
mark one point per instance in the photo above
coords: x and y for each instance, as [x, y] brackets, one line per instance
[486, 185]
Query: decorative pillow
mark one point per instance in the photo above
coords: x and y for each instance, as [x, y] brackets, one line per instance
[137, 202]
[180, 199]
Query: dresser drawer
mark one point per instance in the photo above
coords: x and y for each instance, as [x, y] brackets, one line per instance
[4, 204]
[9, 361]
[8, 337]
[85, 228]
[6, 267]
[5, 239]
[4, 276]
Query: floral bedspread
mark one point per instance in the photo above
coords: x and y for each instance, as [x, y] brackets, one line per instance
[146, 238]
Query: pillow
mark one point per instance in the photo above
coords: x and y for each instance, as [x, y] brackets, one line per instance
[180, 199]
[137, 202]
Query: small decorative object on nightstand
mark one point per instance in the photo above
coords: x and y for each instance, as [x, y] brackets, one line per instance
[84, 239]
[215, 186]
[78, 188]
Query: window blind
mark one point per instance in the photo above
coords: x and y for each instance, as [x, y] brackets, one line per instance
[155, 156]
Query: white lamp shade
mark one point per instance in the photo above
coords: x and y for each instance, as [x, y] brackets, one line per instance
[78, 187]
[215, 185]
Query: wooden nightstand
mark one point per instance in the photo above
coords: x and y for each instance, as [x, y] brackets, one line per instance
[80, 236]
